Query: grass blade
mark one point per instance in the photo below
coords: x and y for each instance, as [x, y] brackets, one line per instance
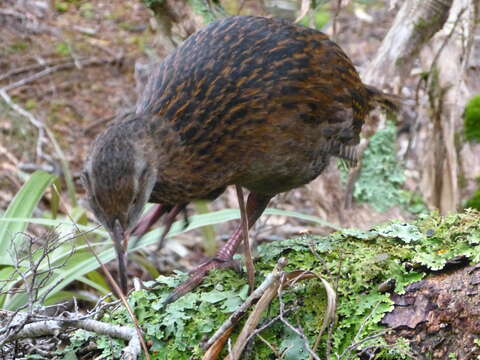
[22, 206]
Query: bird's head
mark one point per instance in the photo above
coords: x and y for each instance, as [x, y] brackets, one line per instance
[119, 176]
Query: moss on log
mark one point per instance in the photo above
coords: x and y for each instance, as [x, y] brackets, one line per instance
[404, 291]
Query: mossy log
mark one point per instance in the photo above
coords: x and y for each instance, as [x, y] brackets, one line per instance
[440, 315]
[404, 291]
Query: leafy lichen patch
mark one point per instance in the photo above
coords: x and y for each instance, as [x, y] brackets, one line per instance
[382, 176]
[355, 262]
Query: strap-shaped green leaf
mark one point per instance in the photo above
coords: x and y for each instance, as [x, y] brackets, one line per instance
[22, 206]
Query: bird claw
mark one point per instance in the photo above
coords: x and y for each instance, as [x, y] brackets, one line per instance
[198, 274]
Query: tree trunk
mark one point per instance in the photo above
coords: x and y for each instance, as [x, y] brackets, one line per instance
[447, 62]
[415, 23]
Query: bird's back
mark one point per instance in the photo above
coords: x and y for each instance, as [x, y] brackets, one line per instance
[248, 98]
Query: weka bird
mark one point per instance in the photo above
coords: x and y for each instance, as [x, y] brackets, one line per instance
[251, 101]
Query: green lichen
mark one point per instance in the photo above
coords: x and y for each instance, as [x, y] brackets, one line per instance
[382, 176]
[472, 120]
[358, 261]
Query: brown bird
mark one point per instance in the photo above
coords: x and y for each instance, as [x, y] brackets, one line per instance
[251, 101]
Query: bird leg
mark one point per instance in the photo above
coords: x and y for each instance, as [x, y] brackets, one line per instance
[168, 221]
[246, 242]
[152, 217]
[148, 220]
[256, 204]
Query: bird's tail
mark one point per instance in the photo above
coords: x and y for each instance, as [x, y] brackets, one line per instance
[379, 98]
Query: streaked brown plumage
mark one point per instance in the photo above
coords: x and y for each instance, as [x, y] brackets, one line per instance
[256, 102]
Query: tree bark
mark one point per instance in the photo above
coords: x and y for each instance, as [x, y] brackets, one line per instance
[415, 23]
[440, 315]
[447, 63]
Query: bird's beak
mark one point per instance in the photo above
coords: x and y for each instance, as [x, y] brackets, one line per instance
[120, 242]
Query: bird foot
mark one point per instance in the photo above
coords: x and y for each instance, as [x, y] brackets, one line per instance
[198, 274]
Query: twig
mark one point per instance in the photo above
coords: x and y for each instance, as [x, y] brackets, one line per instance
[359, 333]
[214, 351]
[63, 66]
[271, 322]
[248, 254]
[240, 7]
[28, 68]
[33, 280]
[304, 8]
[253, 320]
[293, 328]
[233, 318]
[364, 340]
[27, 23]
[335, 16]
[285, 280]
[272, 348]
[38, 124]
[69, 321]
[13, 159]
[42, 130]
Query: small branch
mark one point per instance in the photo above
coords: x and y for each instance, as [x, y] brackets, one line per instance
[304, 8]
[24, 23]
[63, 66]
[240, 7]
[270, 322]
[54, 327]
[294, 329]
[364, 340]
[253, 320]
[270, 288]
[34, 121]
[214, 351]
[357, 340]
[28, 68]
[269, 280]
[335, 18]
